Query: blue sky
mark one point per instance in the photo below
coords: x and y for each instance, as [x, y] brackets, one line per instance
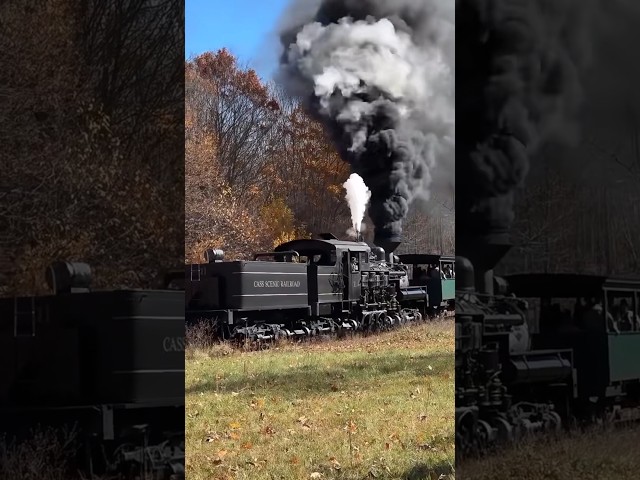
[245, 27]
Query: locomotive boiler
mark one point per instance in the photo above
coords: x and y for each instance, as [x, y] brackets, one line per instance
[307, 287]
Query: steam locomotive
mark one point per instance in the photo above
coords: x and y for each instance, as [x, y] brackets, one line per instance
[312, 287]
[109, 363]
[535, 352]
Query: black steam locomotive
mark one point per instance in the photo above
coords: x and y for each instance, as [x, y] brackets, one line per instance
[312, 286]
[109, 363]
[539, 352]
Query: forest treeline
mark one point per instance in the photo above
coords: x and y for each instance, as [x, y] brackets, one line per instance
[563, 226]
[91, 164]
[581, 212]
[260, 171]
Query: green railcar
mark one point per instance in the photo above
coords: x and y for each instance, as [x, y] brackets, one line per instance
[599, 319]
[440, 283]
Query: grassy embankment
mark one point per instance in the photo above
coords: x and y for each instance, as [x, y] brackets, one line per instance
[377, 407]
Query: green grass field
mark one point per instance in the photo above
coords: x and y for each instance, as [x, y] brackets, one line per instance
[594, 455]
[377, 407]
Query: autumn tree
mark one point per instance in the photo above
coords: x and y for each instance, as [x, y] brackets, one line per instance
[259, 171]
[80, 164]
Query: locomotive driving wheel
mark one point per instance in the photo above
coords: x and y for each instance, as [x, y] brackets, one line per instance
[484, 436]
[504, 430]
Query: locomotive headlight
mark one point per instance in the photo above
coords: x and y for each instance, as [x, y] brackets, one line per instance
[66, 277]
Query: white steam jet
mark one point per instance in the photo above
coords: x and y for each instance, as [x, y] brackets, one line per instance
[357, 196]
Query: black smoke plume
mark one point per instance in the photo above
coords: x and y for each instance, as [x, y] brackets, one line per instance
[519, 64]
[379, 75]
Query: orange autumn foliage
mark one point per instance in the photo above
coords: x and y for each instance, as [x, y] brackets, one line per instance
[259, 171]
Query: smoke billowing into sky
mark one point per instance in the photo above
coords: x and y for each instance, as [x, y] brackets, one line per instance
[380, 75]
[519, 86]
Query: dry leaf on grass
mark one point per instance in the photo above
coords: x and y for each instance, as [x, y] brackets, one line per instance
[304, 423]
[217, 460]
[351, 427]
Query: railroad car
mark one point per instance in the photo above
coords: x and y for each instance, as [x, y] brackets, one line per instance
[110, 363]
[440, 283]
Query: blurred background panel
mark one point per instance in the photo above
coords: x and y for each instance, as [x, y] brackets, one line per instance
[91, 227]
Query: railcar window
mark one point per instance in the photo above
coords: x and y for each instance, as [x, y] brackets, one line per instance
[621, 312]
[448, 270]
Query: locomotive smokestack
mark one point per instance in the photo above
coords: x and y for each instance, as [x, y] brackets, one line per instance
[484, 249]
[388, 240]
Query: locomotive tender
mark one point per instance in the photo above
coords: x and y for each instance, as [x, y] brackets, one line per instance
[313, 286]
[109, 362]
[535, 352]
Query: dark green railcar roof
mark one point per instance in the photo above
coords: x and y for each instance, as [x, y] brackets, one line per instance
[565, 285]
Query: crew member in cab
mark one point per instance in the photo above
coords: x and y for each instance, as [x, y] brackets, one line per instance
[354, 265]
[448, 271]
[628, 321]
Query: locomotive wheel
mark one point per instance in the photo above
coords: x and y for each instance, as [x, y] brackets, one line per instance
[385, 324]
[484, 434]
[464, 444]
[465, 435]
[504, 429]
[554, 422]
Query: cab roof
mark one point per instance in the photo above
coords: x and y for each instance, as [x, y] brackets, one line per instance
[316, 244]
